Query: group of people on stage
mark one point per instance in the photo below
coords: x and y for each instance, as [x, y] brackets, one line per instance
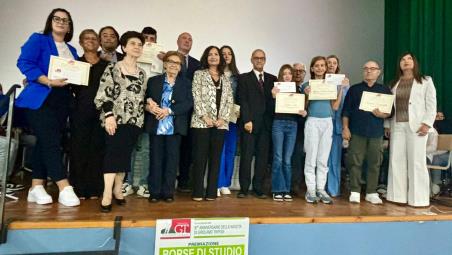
[151, 126]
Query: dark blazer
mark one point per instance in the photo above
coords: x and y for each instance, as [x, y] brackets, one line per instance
[193, 66]
[255, 106]
[181, 103]
[33, 62]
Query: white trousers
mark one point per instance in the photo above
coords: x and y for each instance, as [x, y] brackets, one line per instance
[408, 179]
[318, 136]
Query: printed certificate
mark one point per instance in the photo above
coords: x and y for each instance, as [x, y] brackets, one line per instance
[289, 103]
[335, 79]
[286, 87]
[150, 57]
[371, 101]
[321, 90]
[76, 72]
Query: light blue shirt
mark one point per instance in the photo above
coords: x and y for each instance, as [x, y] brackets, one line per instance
[318, 108]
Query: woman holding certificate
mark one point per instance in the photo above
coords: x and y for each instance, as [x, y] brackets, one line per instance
[47, 105]
[284, 133]
[212, 96]
[87, 135]
[335, 158]
[169, 100]
[318, 134]
[415, 111]
[230, 140]
[121, 100]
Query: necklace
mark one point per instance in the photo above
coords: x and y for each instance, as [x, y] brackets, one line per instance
[135, 68]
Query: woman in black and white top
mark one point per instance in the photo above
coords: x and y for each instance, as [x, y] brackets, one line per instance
[121, 99]
[212, 96]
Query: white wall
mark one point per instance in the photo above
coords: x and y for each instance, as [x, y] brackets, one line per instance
[288, 30]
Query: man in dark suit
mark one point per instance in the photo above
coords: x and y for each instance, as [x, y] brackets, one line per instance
[189, 66]
[109, 41]
[256, 112]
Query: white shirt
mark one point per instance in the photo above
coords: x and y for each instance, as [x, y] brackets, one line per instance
[257, 74]
[63, 50]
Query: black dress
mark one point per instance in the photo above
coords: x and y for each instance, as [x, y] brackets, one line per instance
[87, 137]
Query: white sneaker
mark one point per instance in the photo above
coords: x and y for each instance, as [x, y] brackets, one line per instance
[127, 189]
[435, 189]
[143, 191]
[39, 195]
[225, 191]
[218, 193]
[67, 197]
[355, 197]
[373, 198]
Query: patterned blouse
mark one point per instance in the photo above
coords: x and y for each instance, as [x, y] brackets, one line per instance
[204, 98]
[123, 95]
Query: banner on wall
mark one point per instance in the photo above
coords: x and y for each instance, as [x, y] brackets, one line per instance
[209, 236]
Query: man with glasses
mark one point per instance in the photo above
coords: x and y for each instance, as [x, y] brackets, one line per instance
[298, 154]
[109, 41]
[256, 114]
[365, 132]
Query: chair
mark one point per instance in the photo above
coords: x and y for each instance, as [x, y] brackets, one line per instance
[444, 144]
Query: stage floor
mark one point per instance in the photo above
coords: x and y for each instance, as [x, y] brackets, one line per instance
[138, 212]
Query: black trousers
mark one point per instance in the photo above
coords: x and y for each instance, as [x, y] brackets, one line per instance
[208, 145]
[185, 162]
[255, 144]
[48, 124]
[298, 158]
[87, 153]
[164, 159]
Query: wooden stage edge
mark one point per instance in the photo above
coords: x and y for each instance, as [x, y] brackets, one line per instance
[22, 225]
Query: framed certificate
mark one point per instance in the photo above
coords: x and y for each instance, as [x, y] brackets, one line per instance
[371, 101]
[289, 103]
[76, 72]
[321, 90]
[286, 87]
[150, 57]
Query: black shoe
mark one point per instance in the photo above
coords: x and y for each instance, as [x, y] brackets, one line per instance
[120, 201]
[242, 194]
[260, 195]
[169, 199]
[105, 208]
[153, 199]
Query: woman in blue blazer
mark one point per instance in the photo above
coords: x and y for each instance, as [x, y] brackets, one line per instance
[169, 100]
[47, 105]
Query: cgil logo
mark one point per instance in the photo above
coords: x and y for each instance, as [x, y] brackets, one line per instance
[177, 228]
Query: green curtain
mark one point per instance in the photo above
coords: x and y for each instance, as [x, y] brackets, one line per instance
[423, 27]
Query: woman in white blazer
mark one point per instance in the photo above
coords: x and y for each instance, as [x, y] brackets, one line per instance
[415, 110]
[212, 97]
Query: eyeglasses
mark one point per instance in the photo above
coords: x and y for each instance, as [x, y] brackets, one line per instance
[60, 20]
[299, 71]
[171, 62]
[370, 69]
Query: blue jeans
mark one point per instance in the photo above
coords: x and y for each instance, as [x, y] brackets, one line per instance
[334, 166]
[227, 157]
[284, 133]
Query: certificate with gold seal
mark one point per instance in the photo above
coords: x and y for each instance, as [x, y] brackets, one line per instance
[76, 72]
[289, 103]
[371, 101]
[321, 90]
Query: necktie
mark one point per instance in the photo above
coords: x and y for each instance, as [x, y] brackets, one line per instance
[185, 65]
[261, 83]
